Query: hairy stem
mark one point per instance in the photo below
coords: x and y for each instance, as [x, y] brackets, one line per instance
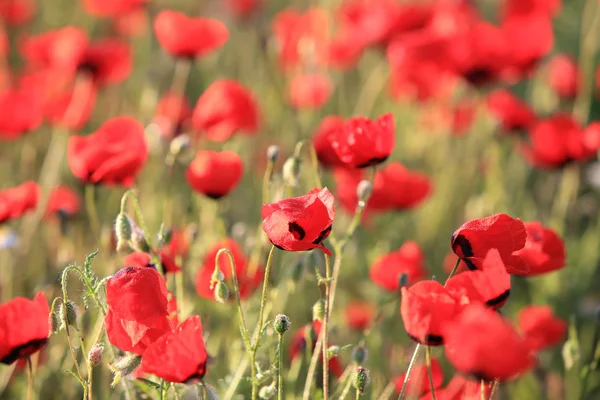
[429, 371]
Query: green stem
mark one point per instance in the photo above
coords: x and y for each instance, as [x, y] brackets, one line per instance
[454, 269]
[357, 394]
[138, 213]
[483, 390]
[29, 379]
[90, 207]
[408, 371]
[347, 387]
[280, 367]
[429, 371]
[64, 320]
[163, 392]
[325, 328]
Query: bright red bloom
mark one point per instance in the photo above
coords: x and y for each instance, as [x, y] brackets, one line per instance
[172, 112]
[21, 110]
[179, 356]
[16, 12]
[183, 36]
[138, 312]
[300, 223]
[481, 343]
[311, 333]
[16, 201]
[544, 250]
[474, 239]
[310, 90]
[425, 307]
[360, 315]
[113, 155]
[302, 38]
[63, 200]
[418, 383]
[24, 327]
[215, 174]
[108, 61]
[141, 259]
[387, 269]
[564, 76]
[540, 327]
[133, 23]
[247, 280]
[489, 286]
[559, 139]
[511, 112]
[362, 142]
[111, 8]
[225, 108]
[72, 109]
[325, 152]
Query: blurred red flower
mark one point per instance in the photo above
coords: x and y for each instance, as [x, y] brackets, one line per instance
[362, 142]
[461, 388]
[16, 12]
[242, 8]
[540, 327]
[473, 240]
[511, 112]
[524, 7]
[300, 223]
[141, 259]
[311, 333]
[172, 112]
[111, 8]
[16, 201]
[489, 286]
[107, 61]
[418, 383]
[73, 108]
[187, 37]
[225, 108]
[113, 155]
[215, 174]
[132, 23]
[544, 250]
[4, 46]
[248, 281]
[479, 342]
[179, 356]
[138, 311]
[425, 307]
[360, 314]
[387, 269]
[564, 76]
[63, 200]
[310, 90]
[24, 327]
[463, 116]
[325, 152]
[21, 109]
[179, 244]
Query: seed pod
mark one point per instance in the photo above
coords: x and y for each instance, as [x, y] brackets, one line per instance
[123, 231]
[68, 314]
[319, 310]
[281, 324]
[95, 354]
[124, 366]
[361, 379]
[221, 292]
[363, 191]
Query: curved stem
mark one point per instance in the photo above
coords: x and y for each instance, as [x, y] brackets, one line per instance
[280, 367]
[90, 208]
[29, 379]
[64, 318]
[454, 269]
[429, 371]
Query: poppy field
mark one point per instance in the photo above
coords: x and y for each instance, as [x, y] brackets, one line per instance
[269, 199]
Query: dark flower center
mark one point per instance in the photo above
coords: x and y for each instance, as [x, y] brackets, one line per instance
[323, 235]
[296, 230]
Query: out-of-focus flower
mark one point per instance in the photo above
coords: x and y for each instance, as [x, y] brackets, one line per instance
[544, 250]
[360, 315]
[17, 12]
[408, 260]
[141, 259]
[419, 384]
[525, 7]
[511, 112]
[73, 108]
[299, 344]
[242, 8]
[111, 8]
[325, 152]
[21, 109]
[172, 112]
[16, 201]
[310, 90]
[215, 174]
[540, 327]
[564, 77]
[63, 200]
[107, 61]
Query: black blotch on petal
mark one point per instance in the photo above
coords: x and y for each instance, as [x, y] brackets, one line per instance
[430, 340]
[214, 196]
[323, 235]
[498, 300]
[296, 230]
[373, 161]
[23, 350]
[464, 244]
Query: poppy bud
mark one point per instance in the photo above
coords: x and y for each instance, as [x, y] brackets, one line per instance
[138, 241]
[95, 354]
[291, 171]
[124, 366]
[361, 379]
[123, 230]
[216, 277]
[54, 319]
[363, 191]
[318, 310]
[68, 313]
[221, 292]
[333, 351]
[273, 153]
[281, 324]
[267, 392]
[360, 354]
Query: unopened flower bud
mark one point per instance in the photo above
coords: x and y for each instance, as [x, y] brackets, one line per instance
[267, 392]
[273, 153]
[95, 354]
[363, 191]
[221, 292]
[291, 171]
[54, 319]
[68, 313]
[138, 241]
[319, 310]
[123, 230]
[360, 354]
[124, 366]
[361, 379]
[281, 324]
[217, 276]
[333, 351]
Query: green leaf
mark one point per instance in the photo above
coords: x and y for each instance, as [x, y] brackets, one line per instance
[150, 383]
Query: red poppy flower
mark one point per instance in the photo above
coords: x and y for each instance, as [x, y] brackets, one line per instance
[418, 383]
[16, 12]
[133, 23]
[473, 240]
[362, 142]
[481, 343]
[425, 307]
[525, 7]
[248, 281]
[310, 90]
[114, 154]
[183, 36]
[225, 108]
[512, 113]
[461, 388]
[72, 109]
[16, 201]
[108, 61]
[21, 110]
[242, 8]
[544, 250]
[63, 200]
[325, 152]
[138, 312]
[387, 269]
[558, 140]
[302, 38]
[540, 327]
[140, 259]
[489, 286]
[179, 244]
[298, 347]
[111, 8]
[360, 315]
[215, 174]
[172, 112]
[300, 223]
[179, 356]
[345, 50]
[564, 76]
[4, 46]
